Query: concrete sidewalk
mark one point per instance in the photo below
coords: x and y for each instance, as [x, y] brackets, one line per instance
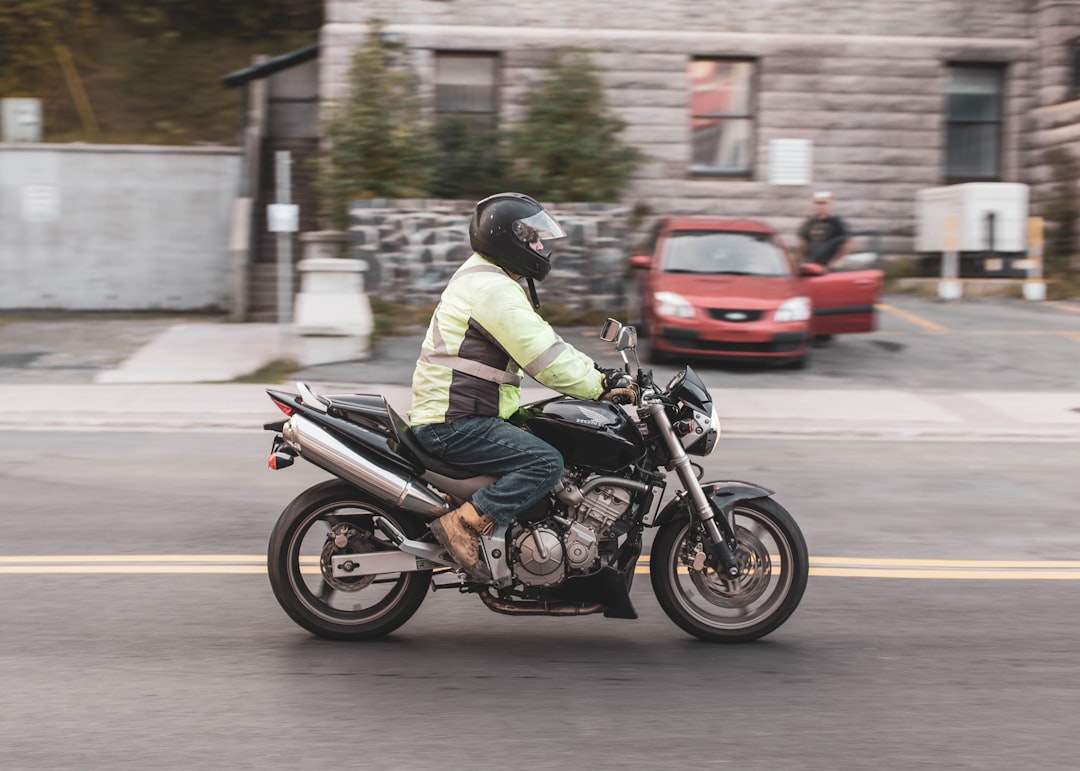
[884, 414]
[138, 375]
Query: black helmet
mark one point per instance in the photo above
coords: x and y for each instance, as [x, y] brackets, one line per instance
[509, 229]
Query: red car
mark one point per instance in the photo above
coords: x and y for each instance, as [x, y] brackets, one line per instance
[729, 289]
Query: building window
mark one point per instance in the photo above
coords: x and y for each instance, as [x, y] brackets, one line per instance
[1074, 68]
[465, 88]
[466, 120]
[721, 116]
[974, 123]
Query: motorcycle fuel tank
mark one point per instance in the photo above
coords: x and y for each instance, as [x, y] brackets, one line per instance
[596, 435]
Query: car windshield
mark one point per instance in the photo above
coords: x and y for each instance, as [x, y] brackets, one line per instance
[711, 252]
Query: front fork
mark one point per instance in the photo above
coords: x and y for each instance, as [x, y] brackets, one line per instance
[722, 533]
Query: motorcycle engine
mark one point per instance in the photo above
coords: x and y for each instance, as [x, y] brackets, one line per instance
[547, 552]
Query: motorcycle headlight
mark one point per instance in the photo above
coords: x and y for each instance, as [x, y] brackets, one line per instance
[794, 309]
[671, 304]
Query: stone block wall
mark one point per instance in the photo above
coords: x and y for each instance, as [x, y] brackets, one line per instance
[412, 247]
[863, 81]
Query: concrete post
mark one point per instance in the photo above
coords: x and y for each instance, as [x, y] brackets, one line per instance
[1034, 286]
[333, 320]
[950, 287]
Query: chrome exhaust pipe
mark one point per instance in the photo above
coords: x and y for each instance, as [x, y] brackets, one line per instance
[319, 446]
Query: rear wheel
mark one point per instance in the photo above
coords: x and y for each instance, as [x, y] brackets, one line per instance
[773, 570]
[335, 518]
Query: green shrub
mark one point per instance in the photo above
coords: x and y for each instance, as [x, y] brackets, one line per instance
[468, 162]
[567, 148]
[1060, 213]
[378, 147]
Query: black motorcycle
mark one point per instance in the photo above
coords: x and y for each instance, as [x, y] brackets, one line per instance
[353, 558]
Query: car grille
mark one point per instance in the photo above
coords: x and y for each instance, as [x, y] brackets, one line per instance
[783, 342]
[735, 315]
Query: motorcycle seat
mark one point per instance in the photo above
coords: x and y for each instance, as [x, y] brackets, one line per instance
[414, 451]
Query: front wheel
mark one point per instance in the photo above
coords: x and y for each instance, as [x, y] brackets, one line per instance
[333, 517]
[773, 569]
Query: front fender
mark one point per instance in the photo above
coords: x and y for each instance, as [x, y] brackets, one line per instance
[722, 495]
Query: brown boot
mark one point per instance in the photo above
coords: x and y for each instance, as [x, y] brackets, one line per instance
[459, 531]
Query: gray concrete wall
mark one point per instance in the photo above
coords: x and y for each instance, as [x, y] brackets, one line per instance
[116, 227]
[863, 81]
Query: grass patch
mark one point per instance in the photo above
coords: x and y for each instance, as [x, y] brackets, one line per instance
[273, 372]
[1067, 288]
[393, 319]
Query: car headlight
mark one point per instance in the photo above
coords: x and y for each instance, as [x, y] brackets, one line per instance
[671, 304]
[795, 309]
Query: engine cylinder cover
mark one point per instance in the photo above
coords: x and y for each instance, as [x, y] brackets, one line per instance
[532, 567]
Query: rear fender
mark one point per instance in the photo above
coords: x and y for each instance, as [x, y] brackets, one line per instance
[723, 496]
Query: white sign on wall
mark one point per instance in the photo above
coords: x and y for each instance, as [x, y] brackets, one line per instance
[283, 217]
[40, 203]
[790, 161]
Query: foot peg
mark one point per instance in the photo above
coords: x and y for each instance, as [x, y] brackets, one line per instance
[390, 530]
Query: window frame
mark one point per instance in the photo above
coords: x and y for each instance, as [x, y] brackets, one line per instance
[1074, 68]
[953, 125]
[750, 116]
[491, 121]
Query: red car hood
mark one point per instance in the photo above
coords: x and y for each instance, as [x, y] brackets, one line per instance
[752, 292]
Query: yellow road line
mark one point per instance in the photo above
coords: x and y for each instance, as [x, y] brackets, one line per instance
[926, 324]
[255, 564]
[965, 575]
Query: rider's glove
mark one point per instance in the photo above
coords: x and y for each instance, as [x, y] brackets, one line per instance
[619, 387]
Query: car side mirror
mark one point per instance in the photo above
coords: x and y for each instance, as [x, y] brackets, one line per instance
[812, 269]
[641, 262]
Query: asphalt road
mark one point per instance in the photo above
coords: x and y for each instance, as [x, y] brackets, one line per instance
[991, 344]
[162, 663]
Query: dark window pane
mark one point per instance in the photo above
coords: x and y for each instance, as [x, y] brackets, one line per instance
[974, 115]
[974, 151]
[721, 115]
[465, 83]
[721, 143]
[974, 107]
[720, 87]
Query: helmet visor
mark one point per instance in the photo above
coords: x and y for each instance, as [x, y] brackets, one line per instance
[537, 228]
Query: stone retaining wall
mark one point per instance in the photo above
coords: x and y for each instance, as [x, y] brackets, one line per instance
[412, 247]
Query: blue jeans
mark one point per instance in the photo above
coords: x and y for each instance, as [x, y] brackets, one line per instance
[527, 467]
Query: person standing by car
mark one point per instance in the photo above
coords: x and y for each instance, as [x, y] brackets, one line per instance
[467, 381]
[824, 234]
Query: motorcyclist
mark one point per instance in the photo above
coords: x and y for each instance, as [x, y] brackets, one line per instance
[467, 381]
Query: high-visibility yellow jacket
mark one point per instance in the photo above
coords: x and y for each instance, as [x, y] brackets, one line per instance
[482, 334]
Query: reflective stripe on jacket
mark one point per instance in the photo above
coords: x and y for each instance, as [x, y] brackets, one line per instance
[482, 334]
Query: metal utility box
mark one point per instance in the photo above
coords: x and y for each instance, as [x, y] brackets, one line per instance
[979, 217]
[20, 120]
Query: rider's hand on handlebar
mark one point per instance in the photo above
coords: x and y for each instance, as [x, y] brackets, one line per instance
[619, 387]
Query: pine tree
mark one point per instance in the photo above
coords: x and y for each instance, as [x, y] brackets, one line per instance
[567, 148]
[378, 146]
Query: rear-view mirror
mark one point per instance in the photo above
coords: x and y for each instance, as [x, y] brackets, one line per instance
[610, 330]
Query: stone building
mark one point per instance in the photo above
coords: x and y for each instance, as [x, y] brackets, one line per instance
[746, 108]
